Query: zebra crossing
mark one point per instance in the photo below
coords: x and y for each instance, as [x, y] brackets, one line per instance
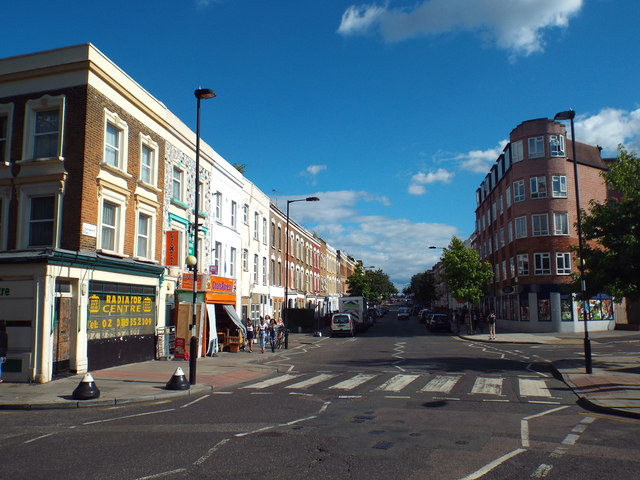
[412, 383]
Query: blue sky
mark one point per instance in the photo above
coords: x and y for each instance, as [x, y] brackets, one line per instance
[391, 112]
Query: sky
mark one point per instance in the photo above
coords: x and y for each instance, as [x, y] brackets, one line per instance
[391, 112]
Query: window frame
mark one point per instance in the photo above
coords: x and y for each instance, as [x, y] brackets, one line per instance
[520, 227]
[146, 142]
[519, 192]
[542, 263]
[32, 108]
[234, 214]
[561, 182]
[517, 153]
[556, 146]
[176, 168]
[539, 224]
[538, 187]
[523, 267]
[565, 223]
[122, 157]
[120, 202]
[6, 111]
[563, 258]
[534, 144]
[151, 213]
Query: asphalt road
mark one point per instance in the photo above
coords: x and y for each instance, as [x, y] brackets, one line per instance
[395, 402]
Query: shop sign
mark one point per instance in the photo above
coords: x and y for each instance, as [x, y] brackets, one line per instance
[173, 245]
[119, 315]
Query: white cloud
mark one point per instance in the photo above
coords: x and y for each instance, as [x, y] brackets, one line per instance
[480, 161]
[608, 128]
[315, 169]
[416, 187]
[515, 25]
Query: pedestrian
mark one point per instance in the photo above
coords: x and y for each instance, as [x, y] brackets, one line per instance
[4, 346]
[474, 321]
[249, 334]
[262, 334]
[273, 334]
[491, 319]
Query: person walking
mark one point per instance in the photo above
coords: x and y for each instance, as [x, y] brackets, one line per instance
[262, 334]
[273, 334]
[249, 334]
[4, 346]
[491, 320]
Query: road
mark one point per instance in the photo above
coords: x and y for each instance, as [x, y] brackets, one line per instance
[395, 402]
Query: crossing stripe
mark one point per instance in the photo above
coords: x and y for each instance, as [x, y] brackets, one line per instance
[272, 381]
[311, 381]
[486, 385]
[442, 384]
[353, 382]
[533, 388]
[397, 383]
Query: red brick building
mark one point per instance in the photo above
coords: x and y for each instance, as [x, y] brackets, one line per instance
[525, 227]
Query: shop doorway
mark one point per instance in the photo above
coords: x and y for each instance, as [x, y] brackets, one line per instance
[62, 322]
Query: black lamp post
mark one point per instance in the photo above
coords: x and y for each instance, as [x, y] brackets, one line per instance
[201, 93]
[286, 268]
[569, 115]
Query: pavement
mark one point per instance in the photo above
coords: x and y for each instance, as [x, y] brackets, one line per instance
[613, 386]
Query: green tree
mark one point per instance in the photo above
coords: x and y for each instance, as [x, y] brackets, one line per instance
[465, 275]
[357, 285]
[423, 288]
[370, 284]
[611, 231]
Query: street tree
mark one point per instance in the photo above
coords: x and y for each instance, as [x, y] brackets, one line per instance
[465, 274]
[371, 284]
[611, 231]
[423, 288]
[357, 285]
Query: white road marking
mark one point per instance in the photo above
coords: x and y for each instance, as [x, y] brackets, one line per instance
[210, 452]
[542, 471]
[311, 381]
[272, 381]
[486, 385]
[490, 466]
[38, 438]
[128, 416]
[353, 382]
[442, 384]
[397, 383]
[195, 401]
[533, 388]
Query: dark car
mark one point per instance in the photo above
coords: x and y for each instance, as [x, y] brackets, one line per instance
[423, 315]
[439, 322]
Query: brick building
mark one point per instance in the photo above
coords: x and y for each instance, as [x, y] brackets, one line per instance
[525, 227]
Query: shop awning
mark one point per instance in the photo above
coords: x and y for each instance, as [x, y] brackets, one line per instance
[234, 316]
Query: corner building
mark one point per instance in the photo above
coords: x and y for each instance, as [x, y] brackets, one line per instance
[526, 227]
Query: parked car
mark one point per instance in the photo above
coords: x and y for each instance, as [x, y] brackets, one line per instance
[404, 313]
[342, 324]
[439, 322]
[422, 315]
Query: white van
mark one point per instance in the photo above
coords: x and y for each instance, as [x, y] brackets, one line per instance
[342, 324]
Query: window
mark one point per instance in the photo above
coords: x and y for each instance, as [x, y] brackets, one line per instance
[523, 264]
[538, 187]
[507, 196]
[510, 232]
[148, 160]
[264, 270]
[109, 226]
[541, 264]
[272, 264]
[559, 186]
[516, 151]
[556, 145]
[518, 191]
[44, 125]
[500, 205]
[504, 269]
[536, 147]
[245, 214]
[217, 258]
[540, 224]
[255, 269]
[217, 199]
[115, 141]
[563, 263]
[233, 253]
[561, 223]
[256, 225]
[521, 227]
[245, 260]
[279, 237]
[6, 112]
[512, 267]
[177, 181]
[234, 211]
[502, 236]
[264, 231]
[143, 236]
[41, 221]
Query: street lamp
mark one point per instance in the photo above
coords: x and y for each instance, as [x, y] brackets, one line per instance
[286, 268]
[192, 260]
[570, 115]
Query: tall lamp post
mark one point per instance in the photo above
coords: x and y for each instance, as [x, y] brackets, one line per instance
[286, 268]
[192, 260]
[569, 115]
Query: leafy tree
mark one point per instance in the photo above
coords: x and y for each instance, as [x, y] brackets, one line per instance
[241, 167]
[423, 288]
[371, 284]
[611, 231]
[464, 273]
